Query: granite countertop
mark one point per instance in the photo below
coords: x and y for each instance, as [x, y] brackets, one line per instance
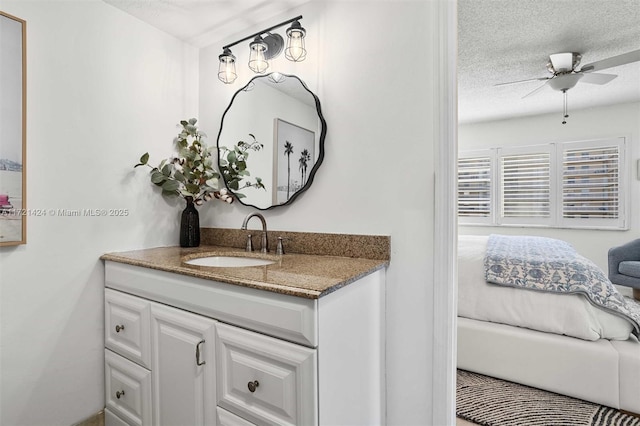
[303, 275]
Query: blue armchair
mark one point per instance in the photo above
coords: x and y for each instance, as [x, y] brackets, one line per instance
[624, 266]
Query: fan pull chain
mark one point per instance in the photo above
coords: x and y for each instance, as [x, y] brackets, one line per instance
[566, 113]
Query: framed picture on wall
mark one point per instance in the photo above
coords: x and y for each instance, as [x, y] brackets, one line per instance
[13, 213]
[294, 159]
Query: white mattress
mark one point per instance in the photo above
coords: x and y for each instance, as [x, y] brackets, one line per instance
[568, 314]
[602, 371]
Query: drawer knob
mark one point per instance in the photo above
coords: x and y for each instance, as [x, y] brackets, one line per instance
[119, 394]
[119, 328]
[253, 385]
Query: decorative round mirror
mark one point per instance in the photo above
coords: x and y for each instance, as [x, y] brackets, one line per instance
[271, 141]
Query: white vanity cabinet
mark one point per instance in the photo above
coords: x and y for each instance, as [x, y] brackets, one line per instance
[182, 350]
[159, 363]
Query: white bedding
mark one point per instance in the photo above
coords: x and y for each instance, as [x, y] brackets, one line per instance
[571, 315]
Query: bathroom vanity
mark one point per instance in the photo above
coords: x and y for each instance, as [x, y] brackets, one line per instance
[299, 341]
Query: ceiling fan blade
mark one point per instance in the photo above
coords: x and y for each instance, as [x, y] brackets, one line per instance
[597, 78]
[614, 61]
[536, 90]
[522, 81]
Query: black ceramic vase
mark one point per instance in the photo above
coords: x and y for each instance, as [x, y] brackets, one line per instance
[190, 225]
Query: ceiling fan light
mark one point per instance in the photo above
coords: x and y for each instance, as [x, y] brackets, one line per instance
[257, 61]
[227, 68]
[564, 81]
[295, 50]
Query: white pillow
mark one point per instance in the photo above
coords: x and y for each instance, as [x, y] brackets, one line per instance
[568, 314]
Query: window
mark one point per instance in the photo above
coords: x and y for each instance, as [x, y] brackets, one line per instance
[525, 185]
[564, 184]
[474, 187]
[592, 183]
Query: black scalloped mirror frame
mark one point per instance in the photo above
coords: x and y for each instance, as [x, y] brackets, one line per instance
[317, 163]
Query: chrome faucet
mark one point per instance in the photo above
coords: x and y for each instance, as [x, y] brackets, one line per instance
[264, 246]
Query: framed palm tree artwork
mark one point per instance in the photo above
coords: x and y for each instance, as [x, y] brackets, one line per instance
[294, 158]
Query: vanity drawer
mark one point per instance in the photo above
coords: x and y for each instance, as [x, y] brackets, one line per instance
[128, 389]
[111, 419]
[225, 418]
[265, 380]
[127, 322]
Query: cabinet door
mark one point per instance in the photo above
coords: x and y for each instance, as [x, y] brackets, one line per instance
[183, 365]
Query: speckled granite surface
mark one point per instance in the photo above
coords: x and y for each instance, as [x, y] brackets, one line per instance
[301, 275]
[343, 245]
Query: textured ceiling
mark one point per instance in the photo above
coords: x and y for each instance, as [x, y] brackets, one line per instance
[499, 41]
[204, 22]
[508, 40]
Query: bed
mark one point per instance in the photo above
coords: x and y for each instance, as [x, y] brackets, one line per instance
[562, 343]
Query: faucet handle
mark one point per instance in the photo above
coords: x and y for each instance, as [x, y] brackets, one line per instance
[280, 247]
[249, 246]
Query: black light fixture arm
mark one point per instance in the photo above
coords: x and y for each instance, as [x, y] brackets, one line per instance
[297, 18]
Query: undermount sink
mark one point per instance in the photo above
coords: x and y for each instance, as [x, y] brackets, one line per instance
[228, 261]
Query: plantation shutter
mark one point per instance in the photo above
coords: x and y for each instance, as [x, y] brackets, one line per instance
[592, 184]
[525, 187]
[474, 188]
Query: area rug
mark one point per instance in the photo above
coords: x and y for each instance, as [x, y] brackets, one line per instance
[492, 402]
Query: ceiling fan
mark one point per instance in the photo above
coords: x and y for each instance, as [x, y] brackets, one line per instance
[565, 75]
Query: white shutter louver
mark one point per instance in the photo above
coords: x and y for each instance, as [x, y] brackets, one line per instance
[590, 183]
[474, 187]
[525, 184]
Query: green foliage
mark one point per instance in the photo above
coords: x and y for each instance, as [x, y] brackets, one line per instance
[191, 173]
[233, 166]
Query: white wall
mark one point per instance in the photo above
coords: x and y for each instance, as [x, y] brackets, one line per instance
[370, 64]
[103, 88]
[594, 123]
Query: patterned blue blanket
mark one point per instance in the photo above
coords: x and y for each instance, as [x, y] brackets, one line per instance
[550, 265]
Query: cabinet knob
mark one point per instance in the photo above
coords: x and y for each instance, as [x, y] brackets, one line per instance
[119, 394]
[119, 328]
[253, 385]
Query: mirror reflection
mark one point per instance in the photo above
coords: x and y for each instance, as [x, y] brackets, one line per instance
[281, 119]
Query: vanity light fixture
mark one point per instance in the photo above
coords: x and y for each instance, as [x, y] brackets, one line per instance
[265, 46]
[295, 50]
[257, 55]
[227, 69]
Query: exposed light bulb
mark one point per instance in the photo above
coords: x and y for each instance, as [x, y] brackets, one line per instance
[227, 68]
[257, 61]
[295, 50]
